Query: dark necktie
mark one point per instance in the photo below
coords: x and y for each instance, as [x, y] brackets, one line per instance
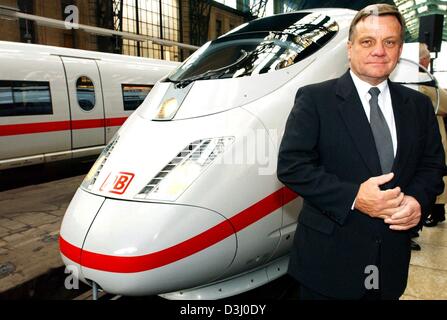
[381, 132]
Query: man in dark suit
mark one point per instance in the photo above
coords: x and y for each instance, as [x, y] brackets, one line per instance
[366, 156]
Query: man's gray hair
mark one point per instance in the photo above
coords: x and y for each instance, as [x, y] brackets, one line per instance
[380, 9]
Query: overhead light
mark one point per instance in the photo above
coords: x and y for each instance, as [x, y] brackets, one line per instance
[422, 9]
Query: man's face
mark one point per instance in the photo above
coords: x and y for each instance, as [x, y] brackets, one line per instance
[424, 61]
[375, 48]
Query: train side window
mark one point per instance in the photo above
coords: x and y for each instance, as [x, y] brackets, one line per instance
[86, 93]
[25, 98]
[134, 95]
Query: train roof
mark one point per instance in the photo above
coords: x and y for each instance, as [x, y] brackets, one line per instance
[45, 50]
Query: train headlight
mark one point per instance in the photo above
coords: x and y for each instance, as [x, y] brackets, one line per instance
[167, 109]
[186, 167]
[91, 176]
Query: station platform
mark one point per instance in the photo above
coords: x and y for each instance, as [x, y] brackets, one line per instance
[30, 219]
[427, 279]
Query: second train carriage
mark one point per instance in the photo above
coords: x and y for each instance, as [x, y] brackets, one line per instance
[59, 103]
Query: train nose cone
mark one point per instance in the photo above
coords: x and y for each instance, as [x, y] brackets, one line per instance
[77, 220]
[139, 248]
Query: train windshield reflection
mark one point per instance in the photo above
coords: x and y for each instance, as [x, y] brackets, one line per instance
[256, 52]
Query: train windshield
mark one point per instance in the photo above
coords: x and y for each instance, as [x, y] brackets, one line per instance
[248, 51]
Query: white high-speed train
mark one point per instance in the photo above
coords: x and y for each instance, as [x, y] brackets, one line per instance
[184, 201]
[58, 103]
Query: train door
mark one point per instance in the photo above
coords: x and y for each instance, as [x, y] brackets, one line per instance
[86, 102]
[34, 125]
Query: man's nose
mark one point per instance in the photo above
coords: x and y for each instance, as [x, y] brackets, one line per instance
[379, 49]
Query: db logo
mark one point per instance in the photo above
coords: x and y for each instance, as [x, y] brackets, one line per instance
[119, 184]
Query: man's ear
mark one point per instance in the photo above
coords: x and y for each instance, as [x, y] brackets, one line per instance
[349, 47]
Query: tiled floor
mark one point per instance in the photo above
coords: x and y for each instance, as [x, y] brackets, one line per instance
[428, 268]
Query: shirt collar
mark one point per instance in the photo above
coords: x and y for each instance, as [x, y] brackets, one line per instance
[363, 86]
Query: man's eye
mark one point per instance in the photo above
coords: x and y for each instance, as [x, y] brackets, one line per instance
[366, 43]
[390, 43]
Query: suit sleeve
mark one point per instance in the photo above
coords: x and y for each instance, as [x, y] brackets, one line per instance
[298, 163]
[427, 181]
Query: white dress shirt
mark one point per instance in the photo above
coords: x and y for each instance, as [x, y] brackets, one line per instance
[384, 101]
[385, 105]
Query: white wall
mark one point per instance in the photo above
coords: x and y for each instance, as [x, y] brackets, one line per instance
[440, 65]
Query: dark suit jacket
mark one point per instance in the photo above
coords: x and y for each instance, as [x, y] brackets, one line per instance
[326, 152]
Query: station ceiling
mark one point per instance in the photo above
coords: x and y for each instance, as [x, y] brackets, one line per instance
[412, 10]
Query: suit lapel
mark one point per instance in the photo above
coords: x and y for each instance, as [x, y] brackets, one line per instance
[404, 124]
[357, 123]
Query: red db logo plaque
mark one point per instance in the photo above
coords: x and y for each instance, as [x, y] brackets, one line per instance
[119, 184]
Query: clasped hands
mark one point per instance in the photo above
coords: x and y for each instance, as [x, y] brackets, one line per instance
[400, 211]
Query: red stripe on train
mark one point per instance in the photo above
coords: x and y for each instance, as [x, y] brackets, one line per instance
[42, 127]
[27, 128]
[87, 124]
[181, 250]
